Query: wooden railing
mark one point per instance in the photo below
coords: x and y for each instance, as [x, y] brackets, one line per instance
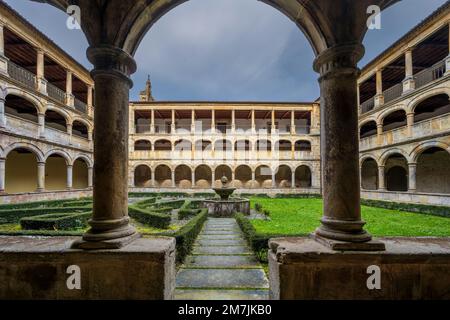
[56, 93]
[368, 105]
[22, 75]
[393, 92]
[80, 105]
[431, 74]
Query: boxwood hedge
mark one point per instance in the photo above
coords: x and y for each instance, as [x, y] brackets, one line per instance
[189, 208]
[185, 237]
[14, 215]
[148, 217]
[39, 204]
[56, 221]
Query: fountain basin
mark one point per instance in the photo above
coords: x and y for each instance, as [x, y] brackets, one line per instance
[227, 208]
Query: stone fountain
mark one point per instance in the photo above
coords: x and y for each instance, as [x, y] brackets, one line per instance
[226, 206]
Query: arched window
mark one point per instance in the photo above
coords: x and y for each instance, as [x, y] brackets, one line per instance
[369, 174]
[263, 176]
[368, 129]
[432, 107]
[433, 171]
[163, 176]
[163, 145]
[396, 172]
[19, 107]
[55, 120]
[80, 129]
[142, 145]
[303, 177]
[394, 120]
[203, 177]
[142, 176]
[283, 177]
[283, 145]
[303, 145]
[183, 176]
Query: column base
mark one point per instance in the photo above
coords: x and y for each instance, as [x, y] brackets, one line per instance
[336, 245]
[105, 244]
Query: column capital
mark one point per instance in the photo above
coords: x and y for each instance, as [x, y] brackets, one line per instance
[112, 60]
[339, 60]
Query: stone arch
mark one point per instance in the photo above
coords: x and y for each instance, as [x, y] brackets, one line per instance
[56, 162]
[142, 145]
[21, 107]
[263, 176]
[203, 145]
[431, 107]
[183, 176]
[56, 120]
[283, 145]
[163, 176]
[220, 171]
[60, 152]
[21, 173]
[303, 176]
[25, 145]
[142, 176]
[369, 173]
[143, 16]
[383, 158]
[380, 118]
[81, 128]
[263, 145]
[433, 170]
[182, 145]
[283, 176]
[396, 172]
[303, 145]
[418, 150]
[394, 120]
[80, 172]
[203, 176]
[163, 145]
[26, 96]
[426, 95]
[243, 176]
[86, 158]
[368, 129]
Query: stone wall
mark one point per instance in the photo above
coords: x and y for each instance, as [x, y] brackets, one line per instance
[40, 196]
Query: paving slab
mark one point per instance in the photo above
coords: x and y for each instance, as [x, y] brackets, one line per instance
[198, 294]
[227, 242]
[221, 250]
[220, 237]
[222, 278]
[217, 261]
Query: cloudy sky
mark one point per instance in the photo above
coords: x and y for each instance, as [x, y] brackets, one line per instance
[228, 50]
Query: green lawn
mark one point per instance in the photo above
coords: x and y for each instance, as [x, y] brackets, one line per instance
[301, 217]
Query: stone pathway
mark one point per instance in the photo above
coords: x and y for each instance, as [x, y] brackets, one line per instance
[221, 266]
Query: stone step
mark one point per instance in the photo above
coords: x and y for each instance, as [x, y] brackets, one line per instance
[208, 233]
[222, 278]
[220, 237]
[218, 261]
[199, 294]
[238, 250]
[212, 242]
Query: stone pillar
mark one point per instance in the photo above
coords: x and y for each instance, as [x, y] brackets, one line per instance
[292, 122]
[152, 121]
[192, 121]
[172, 124]
[409, 82]
[153, 182]
[410, 123]
[193, 177]
[447, 60]
[41, 84]
[213, 121]
[174, 185]
[2, 175]
[110, 226]
[412, 182]
[70, 98]
[233, 121]
[253, 122]
[69, 177]
[274, 182]
[213, 177]
[293, 179]
[2, 113]
[379, 134]
[253, 179]
[40, 176]
[90, 103]
[3, 59]
[69, 132]
[90, 177]
[381, 179]
[340, 150]
[379, 97]
[315, 119]
[273, 122]
[41, 123]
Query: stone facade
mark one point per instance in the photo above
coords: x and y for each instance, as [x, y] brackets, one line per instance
[258, 146]
[46, 116]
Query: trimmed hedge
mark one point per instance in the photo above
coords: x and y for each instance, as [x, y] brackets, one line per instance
[14, 216]
[298, 196]
[189, 208]
[38, 204]
[81, 203]
[185, 237]
[56, 221]
[174, 204]
[148, 217]
[409, 207]
[145, 203]
[155, 194]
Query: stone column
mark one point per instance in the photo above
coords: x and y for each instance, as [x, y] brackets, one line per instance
[152, 121]
[381, 179]
[274, 182]
[69, 177]
[315, 119]
[293, 179]
[40, 176]
[69, 132]
[412, 182]
[192, 121]
[41, 84]
[273, 122]
[70, 98]
[90, 177]
[253, 122]
[409, 83]
[253, 179]
[213, 121]
[110, 226]
[410, 123]
[379, 134]
[292, 122]
[153, 178]
[2, 175]
[379, 97]
[90, 103]
[41, 123]
[233, 121]
[2, 113]
[193, 177]
[340, 150]
[174, 185]
[447, 60]
[172, 125]
[3, 59]
[213, 177]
